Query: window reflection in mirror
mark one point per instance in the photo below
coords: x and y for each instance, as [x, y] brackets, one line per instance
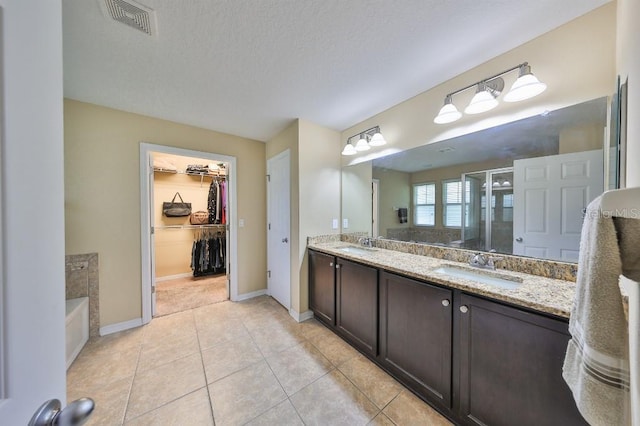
[525, 185]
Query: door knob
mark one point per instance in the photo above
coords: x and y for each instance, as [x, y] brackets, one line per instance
[464, 309]
[519, 239]
[285, 240]
[51, 413]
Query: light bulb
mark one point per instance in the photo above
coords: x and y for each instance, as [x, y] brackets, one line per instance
[482, 101]
[362, 145]
[525, 87]
[377, 140]
[448, 113]
[349, 150]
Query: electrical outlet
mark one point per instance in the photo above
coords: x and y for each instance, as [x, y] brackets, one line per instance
[241, 223]
[345, 223]
[334, 224]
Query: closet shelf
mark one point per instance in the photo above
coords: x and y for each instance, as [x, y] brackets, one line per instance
[209, 225]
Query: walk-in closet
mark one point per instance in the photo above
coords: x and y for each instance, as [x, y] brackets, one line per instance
[190, 224]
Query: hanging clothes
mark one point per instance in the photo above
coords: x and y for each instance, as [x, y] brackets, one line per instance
[223, 198]
[208, 253]
[212, 201]
[217, 201]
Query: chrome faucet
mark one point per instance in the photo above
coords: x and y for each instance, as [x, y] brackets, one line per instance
[365, 242]
[480, 260]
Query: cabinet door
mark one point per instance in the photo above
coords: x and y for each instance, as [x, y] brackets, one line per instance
[322, 287]
[511, 367]
[415, 335]
[357, 304]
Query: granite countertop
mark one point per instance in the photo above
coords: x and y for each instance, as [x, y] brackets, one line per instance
[551, 296]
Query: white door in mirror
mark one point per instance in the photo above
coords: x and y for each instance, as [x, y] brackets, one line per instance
[549, 195]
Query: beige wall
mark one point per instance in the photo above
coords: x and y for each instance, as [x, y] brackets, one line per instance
[315, 193]
[586, 137]
[576, 61]
[319, 193]
[628, 67]
[394, 191]
[101, 151]
[356, 197]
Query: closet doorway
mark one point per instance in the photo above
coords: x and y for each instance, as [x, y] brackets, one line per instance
[188, 260]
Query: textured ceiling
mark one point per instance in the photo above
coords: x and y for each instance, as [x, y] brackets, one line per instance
[249, 67]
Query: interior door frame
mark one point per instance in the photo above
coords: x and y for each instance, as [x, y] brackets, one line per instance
[146, 186]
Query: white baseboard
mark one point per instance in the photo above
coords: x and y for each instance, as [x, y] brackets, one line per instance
[174, 277]
[299, 317]
[120, 326]
[251, 295]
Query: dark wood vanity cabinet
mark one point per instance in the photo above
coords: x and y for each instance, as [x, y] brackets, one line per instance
[415, 335]
[322, 287]
[510, 366]
[357, 304]
[478, 361]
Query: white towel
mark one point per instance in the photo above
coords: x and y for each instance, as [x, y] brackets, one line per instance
[596, 365]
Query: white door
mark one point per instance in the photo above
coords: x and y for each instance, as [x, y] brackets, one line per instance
[278, 229]
[152, 236]
[32, 305]
[550, 194]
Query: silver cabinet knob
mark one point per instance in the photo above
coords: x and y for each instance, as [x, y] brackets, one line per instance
[519, 239]
[464, 309]
[445, 302]
[331, 264]
[337, 266]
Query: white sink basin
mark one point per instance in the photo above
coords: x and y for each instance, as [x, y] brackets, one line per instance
[484, 277]
[362, 251]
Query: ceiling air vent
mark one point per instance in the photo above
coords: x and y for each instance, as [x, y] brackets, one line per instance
[132, 14]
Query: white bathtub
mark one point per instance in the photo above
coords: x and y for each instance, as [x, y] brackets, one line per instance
[77, 327]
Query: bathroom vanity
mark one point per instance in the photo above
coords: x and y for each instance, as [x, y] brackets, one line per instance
[482, 352]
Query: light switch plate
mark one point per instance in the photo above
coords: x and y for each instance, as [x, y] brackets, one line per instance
[241, 223]
[334, 224]
[345, 223]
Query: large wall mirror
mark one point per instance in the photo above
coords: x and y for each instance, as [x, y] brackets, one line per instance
[518, 188]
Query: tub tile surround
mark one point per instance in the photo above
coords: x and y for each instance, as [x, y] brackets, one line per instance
[81, 280]
[540, 290]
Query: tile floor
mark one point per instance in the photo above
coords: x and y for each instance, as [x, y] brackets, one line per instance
[238, 363]
[186, 293]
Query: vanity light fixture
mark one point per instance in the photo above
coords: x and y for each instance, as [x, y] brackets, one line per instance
[367, 139]
[487, 92]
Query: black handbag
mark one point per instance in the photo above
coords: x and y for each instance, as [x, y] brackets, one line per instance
[176, 209]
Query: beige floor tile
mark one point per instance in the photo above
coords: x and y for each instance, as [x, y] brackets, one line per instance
[111, 402]
[116, 342]
[161, 328]
[333, 400]
[282, 414]
[192, 409]
[244, 395]
[90, 372]
[298, 366]
[381, 420]
[333, 347]
[408, 409]
[311, 327]
[159, 352]
[154, 388]
[213, 333]
[217, 311]
[228, 357]
[377, 385]
[274, 338]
